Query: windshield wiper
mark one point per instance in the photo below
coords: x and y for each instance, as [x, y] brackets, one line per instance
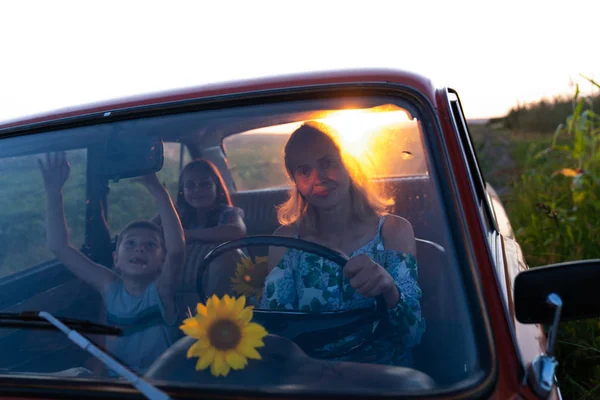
[147, 389]
[33, 320]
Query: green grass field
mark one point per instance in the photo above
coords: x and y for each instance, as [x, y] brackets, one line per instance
[556, 218]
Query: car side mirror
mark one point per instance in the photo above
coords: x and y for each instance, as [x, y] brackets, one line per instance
[566, 291]
[131, 153]
[575, 282]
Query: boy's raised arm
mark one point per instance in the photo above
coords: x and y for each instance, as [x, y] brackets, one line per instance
[173, 233]
[55, 173]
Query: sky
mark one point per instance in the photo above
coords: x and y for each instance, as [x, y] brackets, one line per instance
[495, 54]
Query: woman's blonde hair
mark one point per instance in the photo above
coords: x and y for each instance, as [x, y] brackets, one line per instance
[365, 198]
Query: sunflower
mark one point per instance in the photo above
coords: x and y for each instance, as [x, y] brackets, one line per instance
[226, 337]
[250, 277]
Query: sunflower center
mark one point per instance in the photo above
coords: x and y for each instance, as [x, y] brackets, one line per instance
[224, 335]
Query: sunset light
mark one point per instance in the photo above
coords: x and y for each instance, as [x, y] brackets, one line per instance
[385, 140]
[357, 127]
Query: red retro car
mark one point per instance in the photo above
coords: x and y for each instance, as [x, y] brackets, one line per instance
[473, 313]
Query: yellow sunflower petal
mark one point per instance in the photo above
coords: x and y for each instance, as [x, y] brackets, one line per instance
[198, 348]
[235, 360]
[247, 262]
[246, 315]
[206, 359]
[213, 302]
[250, 352]
[249, 342]
[254, 330]
[240, 303]
[201, 309]
[239, 270]
[230, 304]
[219, 366]
[190, 322]
[236, 287]
[225, 303]
[194, 330]
[185, 326]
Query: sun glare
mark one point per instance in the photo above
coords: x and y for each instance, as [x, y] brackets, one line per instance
[385, 140]
[357, 127]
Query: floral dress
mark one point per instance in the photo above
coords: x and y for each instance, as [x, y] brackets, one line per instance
[304, 281]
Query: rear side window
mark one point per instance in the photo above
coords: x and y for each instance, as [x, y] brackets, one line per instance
[255, 159]
[23, 210]
[387, 141]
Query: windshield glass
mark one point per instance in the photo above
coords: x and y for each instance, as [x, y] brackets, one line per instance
[297, 246]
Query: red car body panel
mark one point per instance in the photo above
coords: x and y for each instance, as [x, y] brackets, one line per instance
[415, 81]
[508, 363]
[511, 356]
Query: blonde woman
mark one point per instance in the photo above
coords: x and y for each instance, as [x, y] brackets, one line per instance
[333, 203]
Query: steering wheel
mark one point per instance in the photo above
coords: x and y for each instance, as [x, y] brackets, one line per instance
[310, 330]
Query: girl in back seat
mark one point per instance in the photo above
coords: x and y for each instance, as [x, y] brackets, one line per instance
[206, 213]
[333, 203]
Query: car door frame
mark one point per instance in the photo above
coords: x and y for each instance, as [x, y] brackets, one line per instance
[507, 256]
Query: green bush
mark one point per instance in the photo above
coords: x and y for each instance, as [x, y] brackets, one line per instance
[555, 208]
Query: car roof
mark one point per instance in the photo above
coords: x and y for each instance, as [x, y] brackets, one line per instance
[411, 79]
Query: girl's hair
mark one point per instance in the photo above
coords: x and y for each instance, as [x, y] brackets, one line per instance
[187, 213]
[366, 200]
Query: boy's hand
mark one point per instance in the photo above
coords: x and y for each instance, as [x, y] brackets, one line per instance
[55, 172]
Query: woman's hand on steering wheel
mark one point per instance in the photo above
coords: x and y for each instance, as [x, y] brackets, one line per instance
[370, 279]
[333, 325]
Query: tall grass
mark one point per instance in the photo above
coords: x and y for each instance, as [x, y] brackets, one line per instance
[554, 206]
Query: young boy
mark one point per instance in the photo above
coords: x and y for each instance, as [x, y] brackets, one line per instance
[139, 296]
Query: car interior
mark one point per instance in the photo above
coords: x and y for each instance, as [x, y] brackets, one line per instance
[209, 134]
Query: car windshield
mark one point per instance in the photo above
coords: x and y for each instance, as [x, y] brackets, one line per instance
[289, 246]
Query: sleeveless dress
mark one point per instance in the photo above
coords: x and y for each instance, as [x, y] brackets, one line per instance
[304, 281]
